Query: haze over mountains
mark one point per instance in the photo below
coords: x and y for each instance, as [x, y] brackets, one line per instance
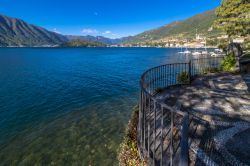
[101, 39]
[15, 32]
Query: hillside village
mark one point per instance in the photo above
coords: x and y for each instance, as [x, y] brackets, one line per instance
[200, 41]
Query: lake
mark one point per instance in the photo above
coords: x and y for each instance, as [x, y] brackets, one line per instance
[70, 106]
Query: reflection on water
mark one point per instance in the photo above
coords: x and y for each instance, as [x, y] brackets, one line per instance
[69, 106]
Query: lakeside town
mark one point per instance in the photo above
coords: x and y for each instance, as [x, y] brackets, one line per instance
[198, 42]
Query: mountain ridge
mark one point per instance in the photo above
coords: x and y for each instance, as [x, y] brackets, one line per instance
[200, 23]
[101, 39]
[16, 32]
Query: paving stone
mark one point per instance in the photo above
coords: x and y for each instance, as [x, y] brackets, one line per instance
[215, 100]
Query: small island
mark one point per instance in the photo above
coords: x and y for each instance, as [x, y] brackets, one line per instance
[82, 43]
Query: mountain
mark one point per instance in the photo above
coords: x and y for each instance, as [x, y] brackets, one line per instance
[100, 39]
[187, 29]
[15, 32]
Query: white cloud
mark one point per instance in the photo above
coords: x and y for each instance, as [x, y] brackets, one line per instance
[94, 32]
[56, 31]
[89, 31]
[107, 32]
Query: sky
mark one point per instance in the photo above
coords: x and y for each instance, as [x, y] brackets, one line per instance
[109, 18]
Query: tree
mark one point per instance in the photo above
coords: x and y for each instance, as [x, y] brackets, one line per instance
[233, 17]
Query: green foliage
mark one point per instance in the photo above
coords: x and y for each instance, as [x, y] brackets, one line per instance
[212, 42]
[82, 43]
[246, 44]
[229, 63]
[233, 17]
[210, 70]
[128, 154]
[223, 46]
[183, 78]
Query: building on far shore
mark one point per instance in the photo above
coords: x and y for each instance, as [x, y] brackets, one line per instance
[239, 40]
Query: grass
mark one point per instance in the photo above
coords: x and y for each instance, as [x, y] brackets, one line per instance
[210, 70]
[128, 154]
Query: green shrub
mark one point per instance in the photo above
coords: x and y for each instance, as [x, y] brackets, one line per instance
[223, 46]
[128, 154]
[229, 63]
[183, 78]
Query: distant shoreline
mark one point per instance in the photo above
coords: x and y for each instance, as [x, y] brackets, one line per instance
[209, 47]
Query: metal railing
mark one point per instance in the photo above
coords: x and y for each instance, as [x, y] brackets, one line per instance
[163, 128]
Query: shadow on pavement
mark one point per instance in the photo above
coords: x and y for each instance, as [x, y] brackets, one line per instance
[246, 78]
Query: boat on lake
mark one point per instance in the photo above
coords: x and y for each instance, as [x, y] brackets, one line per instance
[196, 53]
[186, 52]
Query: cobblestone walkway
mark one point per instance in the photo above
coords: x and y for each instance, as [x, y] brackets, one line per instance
[219, 108]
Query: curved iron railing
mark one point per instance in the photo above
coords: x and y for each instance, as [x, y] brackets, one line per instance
[162, 127]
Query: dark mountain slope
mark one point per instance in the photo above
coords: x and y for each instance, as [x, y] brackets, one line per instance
[15, 32]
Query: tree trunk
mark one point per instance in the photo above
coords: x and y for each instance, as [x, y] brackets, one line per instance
[236, 50]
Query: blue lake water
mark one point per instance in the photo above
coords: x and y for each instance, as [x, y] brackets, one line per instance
[69, 106]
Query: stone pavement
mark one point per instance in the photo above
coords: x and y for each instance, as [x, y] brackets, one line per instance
[219, 108]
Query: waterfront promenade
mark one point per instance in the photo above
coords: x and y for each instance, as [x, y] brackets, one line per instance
[193, 113]
[219, 118]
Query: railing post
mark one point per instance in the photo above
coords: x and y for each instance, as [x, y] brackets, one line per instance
[190, 71]
[154, 140]
[149, 112]
[184, 142]
[162, 125]
[149, 140]
[171, 138]
[144, 120]
[139, 122]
